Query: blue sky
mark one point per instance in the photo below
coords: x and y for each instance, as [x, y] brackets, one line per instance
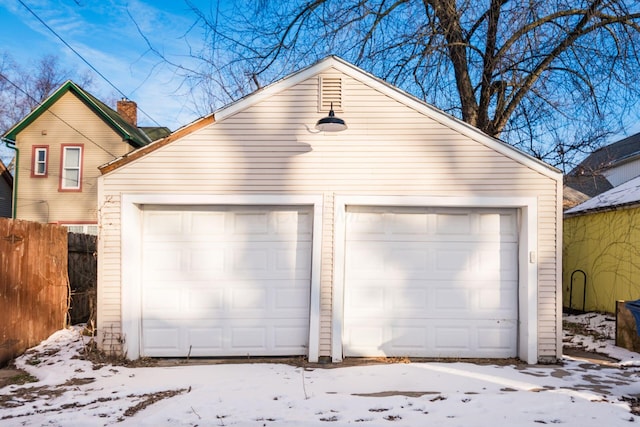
[104, 34]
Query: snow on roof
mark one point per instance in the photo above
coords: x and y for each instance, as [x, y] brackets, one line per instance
[624, 194]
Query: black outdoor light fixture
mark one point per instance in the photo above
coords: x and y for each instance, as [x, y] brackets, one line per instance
[331, 123]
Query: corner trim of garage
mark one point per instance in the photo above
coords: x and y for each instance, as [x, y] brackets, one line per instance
[527, 265]
[131, 246]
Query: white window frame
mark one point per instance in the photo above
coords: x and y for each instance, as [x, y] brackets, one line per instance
[91, 229]
[64, 167]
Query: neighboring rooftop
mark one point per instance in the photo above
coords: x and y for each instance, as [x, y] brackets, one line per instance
[155, 132]
[607, 156]
[129, 133]
[572, 197]
[588, 184]
[625, 194]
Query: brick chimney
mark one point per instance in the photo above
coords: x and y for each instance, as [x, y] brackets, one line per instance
[128, 110]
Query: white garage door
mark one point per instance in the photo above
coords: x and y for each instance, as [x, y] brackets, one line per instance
[225, 281]
[430, 282]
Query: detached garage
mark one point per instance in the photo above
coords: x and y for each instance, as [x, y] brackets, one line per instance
[251, 233]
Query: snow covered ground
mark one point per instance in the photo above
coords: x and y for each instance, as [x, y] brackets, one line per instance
[72, 391]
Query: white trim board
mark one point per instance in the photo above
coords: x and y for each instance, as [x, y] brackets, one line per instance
[527, 259]
[131, 241]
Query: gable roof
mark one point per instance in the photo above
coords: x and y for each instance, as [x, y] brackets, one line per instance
[572, 197]
[5, 174]
[610, 155]
[590, 185]
[155, 132]
[624, 195]
[368, 79]
[129, 133]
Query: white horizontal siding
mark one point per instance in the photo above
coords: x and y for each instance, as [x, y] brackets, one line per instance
[622, 173]
[389, 149]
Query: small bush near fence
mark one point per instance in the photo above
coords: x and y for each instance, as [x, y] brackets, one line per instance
[34, 285]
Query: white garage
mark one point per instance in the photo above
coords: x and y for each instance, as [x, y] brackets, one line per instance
[225, 280]
[430, 282]
[252, 231]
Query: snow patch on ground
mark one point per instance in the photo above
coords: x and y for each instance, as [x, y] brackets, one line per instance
[73, 391]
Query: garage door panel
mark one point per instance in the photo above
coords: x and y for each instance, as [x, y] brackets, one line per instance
[430, 282]
[162, 259]
[205, 224]
[451, 338]
[295, 259]
[203, 301]
[164, 223]
[226, 280]
[248, 338]
[287, 338]
[365, 299]
[497, 300]
[452, 260]
[165, 263]
[439, 297]
[160, 337]
[248, 261]
[409, 300]
[248, 299]
[453, 224]
[205, 340]
[411, 260]
[250, 223]
[205, 259]
[290, 300]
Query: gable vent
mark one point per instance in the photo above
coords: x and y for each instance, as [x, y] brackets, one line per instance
[330, 92]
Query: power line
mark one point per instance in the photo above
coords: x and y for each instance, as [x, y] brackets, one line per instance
[56, 116]
[82, 58]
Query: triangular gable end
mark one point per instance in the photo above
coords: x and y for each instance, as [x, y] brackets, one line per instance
[377, 84]
[398, 95]
[128, 133]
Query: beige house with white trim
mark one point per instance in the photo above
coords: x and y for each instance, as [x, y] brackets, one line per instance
[59, 146]
[251, 233]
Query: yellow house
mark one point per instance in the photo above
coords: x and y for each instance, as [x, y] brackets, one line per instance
[601, 252]
[59, 146]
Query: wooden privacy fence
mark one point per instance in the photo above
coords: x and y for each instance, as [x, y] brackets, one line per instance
[33, 284]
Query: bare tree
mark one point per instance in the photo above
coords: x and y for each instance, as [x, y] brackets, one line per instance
[553, 77]
[24, 86]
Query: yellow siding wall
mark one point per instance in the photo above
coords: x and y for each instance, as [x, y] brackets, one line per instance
[68, 121]
[272, 148]
[606, 246]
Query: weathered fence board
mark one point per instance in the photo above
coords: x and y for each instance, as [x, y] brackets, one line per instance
[33, 284]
